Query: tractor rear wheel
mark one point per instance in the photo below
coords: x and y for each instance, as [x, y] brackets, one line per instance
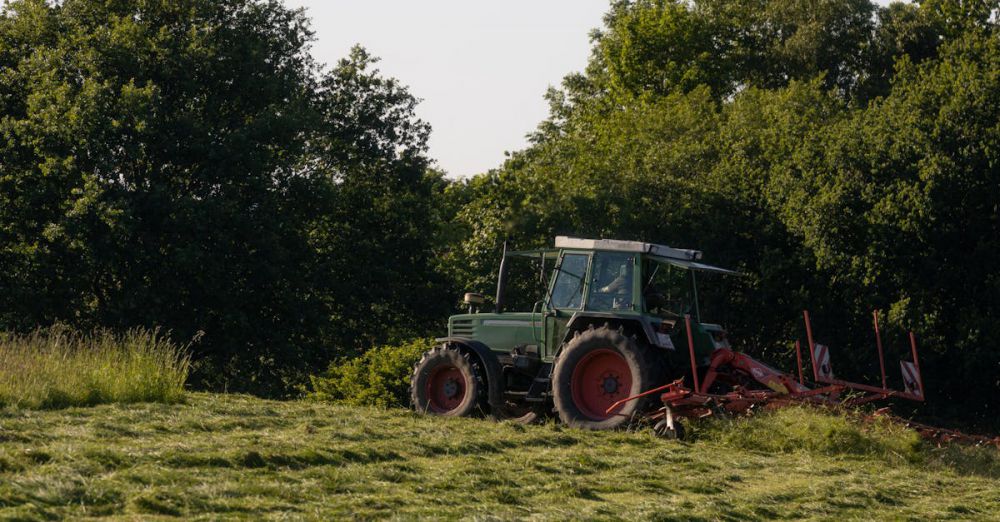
[446, 382]
[596, 369]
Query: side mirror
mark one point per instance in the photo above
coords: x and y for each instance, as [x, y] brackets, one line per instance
[474, 301]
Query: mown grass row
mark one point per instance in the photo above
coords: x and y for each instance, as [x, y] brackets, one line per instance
[58, 367]
[236, 457]
[844, 434]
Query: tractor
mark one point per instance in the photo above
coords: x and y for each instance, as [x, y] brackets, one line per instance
[602, 346]
[606, 330]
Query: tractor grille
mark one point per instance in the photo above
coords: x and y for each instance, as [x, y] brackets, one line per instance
[463, 328]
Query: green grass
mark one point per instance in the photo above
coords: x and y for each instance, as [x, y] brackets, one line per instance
[226, 456]
[58, 368]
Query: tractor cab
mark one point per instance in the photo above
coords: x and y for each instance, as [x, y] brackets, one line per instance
[630, 297]
[646, 288]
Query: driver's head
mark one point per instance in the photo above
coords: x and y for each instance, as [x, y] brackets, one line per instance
[610, 272]
[623, 271]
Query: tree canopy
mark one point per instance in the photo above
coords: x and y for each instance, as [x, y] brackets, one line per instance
[187, 164]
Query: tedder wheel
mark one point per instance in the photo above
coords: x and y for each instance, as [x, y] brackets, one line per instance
[663, 429]
[446, 382]
[596, 369]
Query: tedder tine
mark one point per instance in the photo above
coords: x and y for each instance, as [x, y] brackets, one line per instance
[798, 357]
[881, 355]
[913, 382]
[823, 371]
[694, 364]
[818, 354]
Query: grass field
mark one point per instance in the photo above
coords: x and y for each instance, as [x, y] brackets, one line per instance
[227, 456]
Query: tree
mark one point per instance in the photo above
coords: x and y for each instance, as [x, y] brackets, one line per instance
[186, 164]
[375, 242]
[146, 173]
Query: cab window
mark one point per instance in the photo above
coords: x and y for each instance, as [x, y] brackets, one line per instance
[567, 292]
[666, 290]
[612, 284]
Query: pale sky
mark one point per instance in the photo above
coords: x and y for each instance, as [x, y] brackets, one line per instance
[481, 68]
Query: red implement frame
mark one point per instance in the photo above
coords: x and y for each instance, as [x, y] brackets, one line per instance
[740, 370]
[875, 393]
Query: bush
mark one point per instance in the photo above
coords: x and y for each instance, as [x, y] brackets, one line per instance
[58, 368]
[380, 377]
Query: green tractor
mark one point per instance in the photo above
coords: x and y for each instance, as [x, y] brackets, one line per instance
[606, 330]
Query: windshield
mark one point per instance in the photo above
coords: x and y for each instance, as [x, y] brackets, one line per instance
[567, 292]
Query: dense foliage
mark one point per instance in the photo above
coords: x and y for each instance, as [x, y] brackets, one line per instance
[186, 164]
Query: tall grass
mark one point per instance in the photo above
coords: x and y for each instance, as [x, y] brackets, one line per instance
[57, 368]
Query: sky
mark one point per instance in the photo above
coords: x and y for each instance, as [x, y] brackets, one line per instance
[480, 68]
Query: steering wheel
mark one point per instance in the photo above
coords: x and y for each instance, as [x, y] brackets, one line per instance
[673, 308]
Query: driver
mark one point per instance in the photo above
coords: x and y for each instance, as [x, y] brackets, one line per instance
[622, 282]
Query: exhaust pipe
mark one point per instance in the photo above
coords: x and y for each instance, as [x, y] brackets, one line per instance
[502, 280]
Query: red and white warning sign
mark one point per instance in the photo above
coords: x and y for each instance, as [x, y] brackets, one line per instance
[821, 358]
[911, 378]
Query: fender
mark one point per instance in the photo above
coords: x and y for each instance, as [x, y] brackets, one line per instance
[491, 365]
[580, 317]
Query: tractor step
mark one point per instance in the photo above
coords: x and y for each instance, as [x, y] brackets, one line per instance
[539, 389]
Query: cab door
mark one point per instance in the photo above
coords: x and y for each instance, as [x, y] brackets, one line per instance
[566, 297]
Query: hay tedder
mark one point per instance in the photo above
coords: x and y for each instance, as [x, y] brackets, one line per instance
[601, 350]
[753, 384]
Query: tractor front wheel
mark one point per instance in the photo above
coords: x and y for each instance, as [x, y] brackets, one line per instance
[598, 368]
[446, 382]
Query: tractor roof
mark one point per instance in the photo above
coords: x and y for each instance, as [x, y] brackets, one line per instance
[687, 259]
[616, 245]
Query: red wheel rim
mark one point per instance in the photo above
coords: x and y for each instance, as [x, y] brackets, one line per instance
[445, 389]
[599, 380]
